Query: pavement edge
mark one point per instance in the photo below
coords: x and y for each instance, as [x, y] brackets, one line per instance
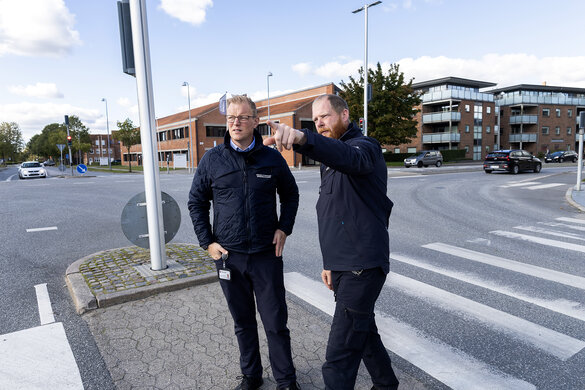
[569, 199]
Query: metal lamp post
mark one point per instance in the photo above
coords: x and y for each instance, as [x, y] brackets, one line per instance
[108, 129]
[190, 148]
[268, 88]
[365, 9]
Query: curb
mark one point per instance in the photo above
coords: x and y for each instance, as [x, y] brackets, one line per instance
[569, 198]
[84, 300]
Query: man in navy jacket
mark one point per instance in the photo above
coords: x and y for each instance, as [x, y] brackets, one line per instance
[353, 213]
[242, 178]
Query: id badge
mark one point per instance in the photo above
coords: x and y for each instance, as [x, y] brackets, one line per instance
[224, 273]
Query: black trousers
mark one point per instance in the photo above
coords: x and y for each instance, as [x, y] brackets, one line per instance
[259, 274]
[354, 335]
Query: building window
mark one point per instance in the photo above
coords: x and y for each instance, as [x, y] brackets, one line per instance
[570, 112]
[97, 142]
[558, 112]
[488, 110]
[488, 129]
[162, 136]
[569, 130]
[215, 131]
[396, 150]
[103, 142]
[544, 129]
[467, 108]
[264, 129]
[411, 150]
[467, 128]
[557, 130]
[545, 112]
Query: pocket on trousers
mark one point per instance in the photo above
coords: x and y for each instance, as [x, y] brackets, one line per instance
[360, 326]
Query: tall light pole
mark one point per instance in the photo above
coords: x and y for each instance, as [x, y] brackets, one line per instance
[108, 128]
[268, 88]
[365, 8]
[186, 84]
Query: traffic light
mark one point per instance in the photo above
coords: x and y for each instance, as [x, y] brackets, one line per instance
[69, 140]
[361, 123]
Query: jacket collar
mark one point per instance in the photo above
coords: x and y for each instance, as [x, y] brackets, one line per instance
[257, 138]
[353, 131]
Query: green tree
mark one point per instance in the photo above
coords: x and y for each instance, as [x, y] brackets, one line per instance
[11, 143]
[45, 143]
[79, 137]
[129, 135]
[392, 109]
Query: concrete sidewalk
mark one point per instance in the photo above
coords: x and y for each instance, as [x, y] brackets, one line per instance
[173, 330]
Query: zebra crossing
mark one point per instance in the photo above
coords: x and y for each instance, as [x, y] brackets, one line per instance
[511, 281]
[531, 185]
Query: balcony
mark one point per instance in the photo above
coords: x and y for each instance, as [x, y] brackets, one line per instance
[441, 138]
[524, 137]
[524, 119]
[456, 94]
[438, 117]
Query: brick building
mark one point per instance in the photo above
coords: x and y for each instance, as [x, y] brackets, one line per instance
[209, 126]
[99, 149]
[539, 118]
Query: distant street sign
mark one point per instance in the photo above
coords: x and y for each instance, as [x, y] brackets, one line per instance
[81, 168]
[61, 147]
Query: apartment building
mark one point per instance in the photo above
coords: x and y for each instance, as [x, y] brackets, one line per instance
[208, 127]
[454, 114]
[539, 118]
[99, 149]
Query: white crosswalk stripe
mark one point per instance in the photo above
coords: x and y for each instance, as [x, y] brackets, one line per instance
[455, 366]
[532, 185]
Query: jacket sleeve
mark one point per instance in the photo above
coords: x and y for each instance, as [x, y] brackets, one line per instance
[199, 203]
[288, 193]
[356, 157]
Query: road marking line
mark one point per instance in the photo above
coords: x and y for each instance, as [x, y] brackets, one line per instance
[519, 184]
[574, 220]
[38, 358]
[450, 366]
[538, 240]
[44, 303]
[556, 233]
[547, 340]
[10, 177]
[562, 306]
[556, 224]
[83, 182]
[516, 266]
[41, 229]
[549, 185]
[302, 181]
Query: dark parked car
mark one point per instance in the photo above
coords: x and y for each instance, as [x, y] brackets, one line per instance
[560, 157]
[512, 161]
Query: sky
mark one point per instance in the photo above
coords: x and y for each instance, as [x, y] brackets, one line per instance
[62, 57]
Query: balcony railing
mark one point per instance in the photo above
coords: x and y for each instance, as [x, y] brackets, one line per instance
[528, 99]
[524, 119]
[441, 138]
[437, 117]
[524, 137]
[456, 94]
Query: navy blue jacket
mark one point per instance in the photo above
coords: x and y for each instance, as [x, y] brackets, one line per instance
[243, 189]
[353, 210]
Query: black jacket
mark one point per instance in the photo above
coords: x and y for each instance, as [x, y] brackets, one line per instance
[243, 187]
[353, 210]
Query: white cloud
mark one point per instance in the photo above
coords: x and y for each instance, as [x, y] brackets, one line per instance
[33, 117]
[36, 28]
[200, 100]
[124, 102]
[330, 70]
[503, 69]
[39, 90]
[189, 11]
[302, 68]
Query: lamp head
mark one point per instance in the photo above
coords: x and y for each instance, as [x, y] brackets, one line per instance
[185, 83]
[269, 74]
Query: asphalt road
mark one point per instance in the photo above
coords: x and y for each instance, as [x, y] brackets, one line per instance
[474, 261]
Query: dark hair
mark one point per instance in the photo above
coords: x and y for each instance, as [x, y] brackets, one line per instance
[337, 103]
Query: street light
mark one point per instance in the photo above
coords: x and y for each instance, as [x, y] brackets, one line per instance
[186, 84]
[268, 87]
[108, 127]
[365, 8]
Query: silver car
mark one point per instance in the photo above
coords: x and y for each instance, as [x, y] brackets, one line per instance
[424, 159]
[31, 169]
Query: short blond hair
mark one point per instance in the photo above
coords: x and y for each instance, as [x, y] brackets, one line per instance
[243, 99]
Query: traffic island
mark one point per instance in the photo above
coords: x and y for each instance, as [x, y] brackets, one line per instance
[119, 275]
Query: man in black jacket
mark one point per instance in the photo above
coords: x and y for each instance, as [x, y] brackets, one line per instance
[242, 178]
[353, 213]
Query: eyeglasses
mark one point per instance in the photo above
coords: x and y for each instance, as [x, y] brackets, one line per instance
[241, 118]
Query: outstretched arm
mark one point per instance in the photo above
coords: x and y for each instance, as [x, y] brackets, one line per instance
[284, 136]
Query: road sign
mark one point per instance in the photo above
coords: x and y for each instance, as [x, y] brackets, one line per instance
[61, 147]
[81, 168]
[135, 221]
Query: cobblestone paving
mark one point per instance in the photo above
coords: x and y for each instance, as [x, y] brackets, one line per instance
[118, 269]
[185, 340]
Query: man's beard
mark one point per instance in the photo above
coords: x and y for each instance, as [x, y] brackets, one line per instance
[335, 131]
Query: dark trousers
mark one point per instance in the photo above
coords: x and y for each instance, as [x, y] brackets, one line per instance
[354, 335]
[259, 274]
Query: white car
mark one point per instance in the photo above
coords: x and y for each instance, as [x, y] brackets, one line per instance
[31, 169]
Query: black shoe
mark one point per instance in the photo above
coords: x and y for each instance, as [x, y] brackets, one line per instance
[249, 383]
[292, 386]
